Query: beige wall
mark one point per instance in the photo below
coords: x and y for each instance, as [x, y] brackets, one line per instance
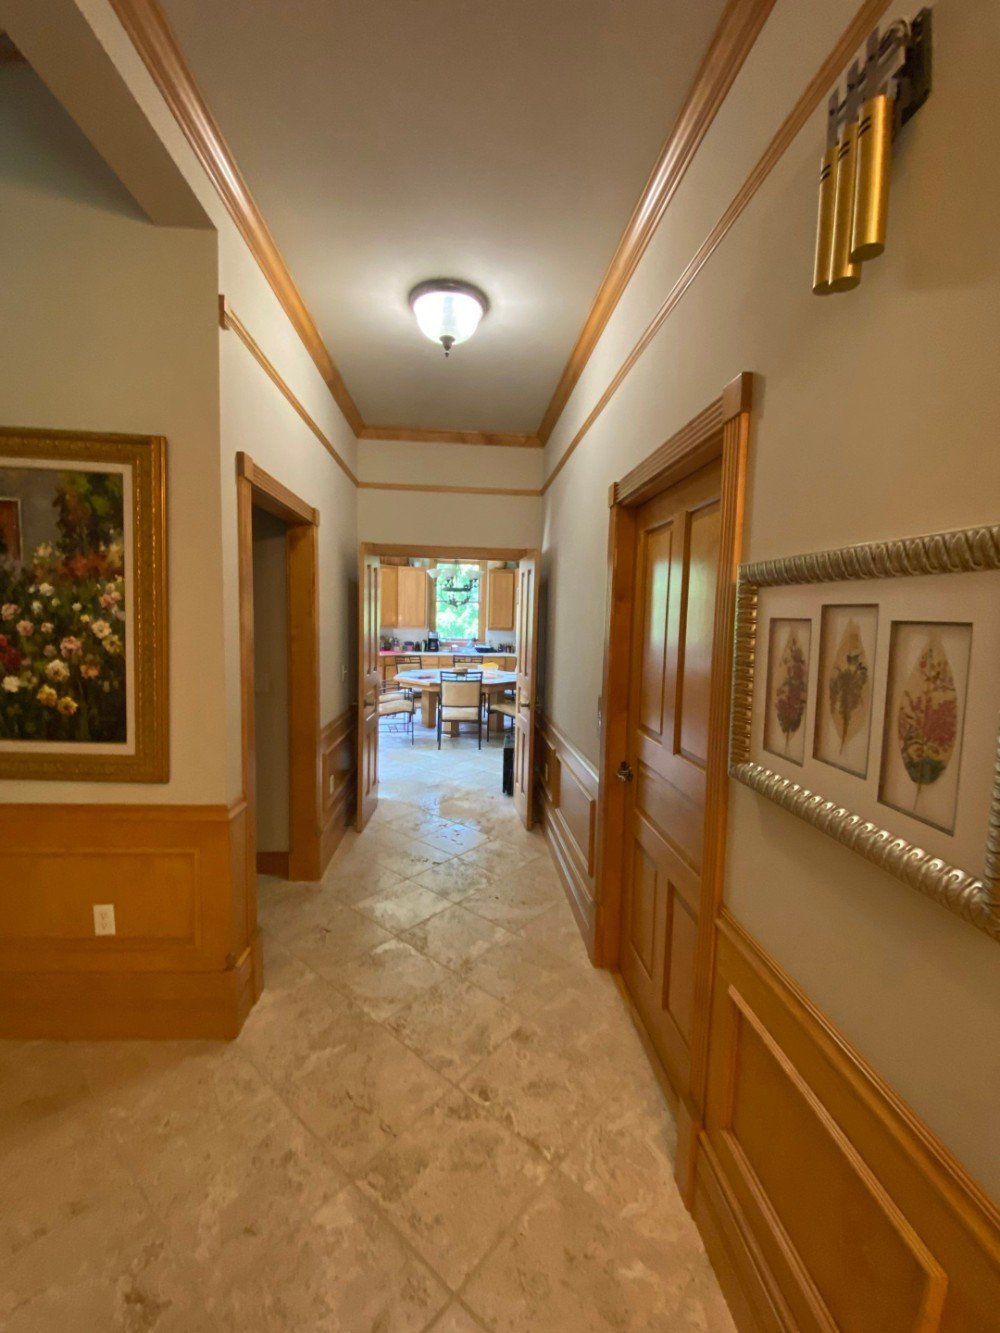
[255, 418]
[875, 418]
[429, 518]
[106, 324]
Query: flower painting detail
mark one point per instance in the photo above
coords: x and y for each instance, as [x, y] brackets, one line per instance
[788, 688]
[927, 721]
[846, 664]
[848, 685]
[63, 612]
[924, 721]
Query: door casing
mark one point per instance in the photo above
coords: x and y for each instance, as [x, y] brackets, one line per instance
[720, 431]
[461, 553]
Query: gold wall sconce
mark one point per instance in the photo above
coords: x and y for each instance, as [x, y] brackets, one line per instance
[882, 92]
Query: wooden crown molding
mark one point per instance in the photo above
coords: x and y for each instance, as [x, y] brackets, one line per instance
[421, 435]
[433, 489]
[152, 37]
[737, 31]
[154, 40]
[851, 38]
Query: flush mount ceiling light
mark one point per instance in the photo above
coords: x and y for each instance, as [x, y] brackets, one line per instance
[448, 311]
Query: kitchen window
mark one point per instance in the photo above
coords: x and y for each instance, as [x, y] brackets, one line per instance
[457, 591]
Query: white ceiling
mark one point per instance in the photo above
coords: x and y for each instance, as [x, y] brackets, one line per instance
[504, 142]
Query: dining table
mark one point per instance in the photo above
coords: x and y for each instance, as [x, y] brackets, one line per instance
[428, 682]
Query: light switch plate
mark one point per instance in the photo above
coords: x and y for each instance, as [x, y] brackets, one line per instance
[104, 918]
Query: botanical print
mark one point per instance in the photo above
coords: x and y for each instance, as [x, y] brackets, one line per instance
[63, 606]
[929, 665]
[788, 688]
[846, 663]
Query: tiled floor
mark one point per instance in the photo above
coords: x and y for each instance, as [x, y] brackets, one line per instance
[438, 1116]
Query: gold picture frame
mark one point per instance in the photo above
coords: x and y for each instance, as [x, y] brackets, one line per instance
[118, 639]
[973, 894]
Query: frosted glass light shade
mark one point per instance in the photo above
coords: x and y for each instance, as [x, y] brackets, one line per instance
[448, 311]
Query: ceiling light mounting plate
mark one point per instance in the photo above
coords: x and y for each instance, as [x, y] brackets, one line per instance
[448, 310]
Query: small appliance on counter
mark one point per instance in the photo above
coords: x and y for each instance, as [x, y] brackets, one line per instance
[433, 644]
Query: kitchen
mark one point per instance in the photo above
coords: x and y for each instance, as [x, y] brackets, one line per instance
[437, 613]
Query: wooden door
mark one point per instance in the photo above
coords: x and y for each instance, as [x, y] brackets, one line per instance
[674, 586]
[369, 676]
[389, 597]
[502, 598]
[524, 722]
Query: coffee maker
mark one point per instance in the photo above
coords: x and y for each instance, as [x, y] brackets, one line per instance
[433, 644]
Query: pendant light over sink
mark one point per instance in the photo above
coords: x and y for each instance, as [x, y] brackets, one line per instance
[448, 311]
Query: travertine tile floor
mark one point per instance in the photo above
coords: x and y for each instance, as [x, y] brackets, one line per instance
[438, 1116]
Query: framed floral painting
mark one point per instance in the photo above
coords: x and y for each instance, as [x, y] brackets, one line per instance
[83, 630]
[877, 718]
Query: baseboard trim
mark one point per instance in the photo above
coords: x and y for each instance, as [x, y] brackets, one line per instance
[93, 1006]
[273, 863]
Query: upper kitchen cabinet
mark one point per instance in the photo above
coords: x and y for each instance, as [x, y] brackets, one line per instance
[389, 599]
[500, 612]
[412, 598]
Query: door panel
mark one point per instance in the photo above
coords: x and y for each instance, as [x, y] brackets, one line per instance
[524, 722]
[700, 577]
[674, 588]
[369, 675]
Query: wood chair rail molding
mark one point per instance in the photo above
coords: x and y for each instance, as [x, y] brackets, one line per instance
[818, 87]
[228, 319]
[720, 431]
[734, 37]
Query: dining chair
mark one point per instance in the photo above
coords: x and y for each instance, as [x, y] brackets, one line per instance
[396, 702]
[410, 663]
[506, 706]
[461, 701]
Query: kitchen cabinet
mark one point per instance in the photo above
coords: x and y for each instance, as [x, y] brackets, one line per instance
[389, 601]
[404, 598]
[500, 612]
[412, 601]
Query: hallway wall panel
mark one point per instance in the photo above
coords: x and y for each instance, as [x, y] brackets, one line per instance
[874, 417]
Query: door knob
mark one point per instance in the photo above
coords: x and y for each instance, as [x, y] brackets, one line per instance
[624, 773]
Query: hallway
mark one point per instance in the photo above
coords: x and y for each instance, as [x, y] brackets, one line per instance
[438, 1116]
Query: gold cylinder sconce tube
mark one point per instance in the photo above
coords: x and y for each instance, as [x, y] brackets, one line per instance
[871, 191]
[843, 274]
[824, 225]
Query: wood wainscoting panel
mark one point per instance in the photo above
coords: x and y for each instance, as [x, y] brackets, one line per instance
[176, 876]
[824, 1202]
[338, 765]
[566, 787]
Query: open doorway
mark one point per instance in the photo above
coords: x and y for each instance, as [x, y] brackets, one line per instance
[447, 646]
[271, 703]
[279, 659]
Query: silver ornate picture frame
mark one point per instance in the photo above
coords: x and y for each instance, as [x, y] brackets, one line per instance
[862, 574]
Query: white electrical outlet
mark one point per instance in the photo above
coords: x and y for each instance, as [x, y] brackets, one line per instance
[104, 918]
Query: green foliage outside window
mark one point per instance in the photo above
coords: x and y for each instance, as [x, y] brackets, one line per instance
[457, 591]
